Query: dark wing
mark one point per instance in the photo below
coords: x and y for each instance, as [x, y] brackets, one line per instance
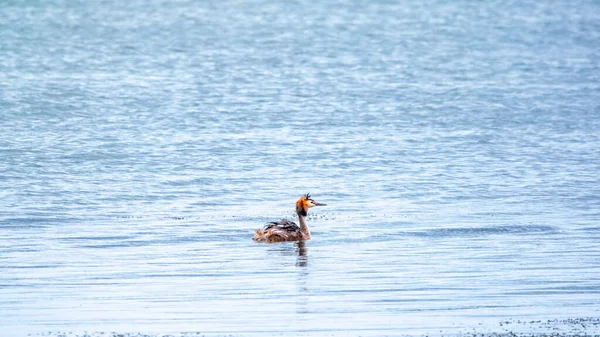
[284, 230]
[284, 225]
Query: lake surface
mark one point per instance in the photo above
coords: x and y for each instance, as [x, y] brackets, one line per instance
[457, 145]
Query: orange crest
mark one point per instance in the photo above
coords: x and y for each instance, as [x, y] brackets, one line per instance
[303, 204]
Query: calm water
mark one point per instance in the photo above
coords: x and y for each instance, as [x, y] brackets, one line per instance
[457, 145]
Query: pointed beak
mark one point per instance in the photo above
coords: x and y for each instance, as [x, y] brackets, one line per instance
[319, 204]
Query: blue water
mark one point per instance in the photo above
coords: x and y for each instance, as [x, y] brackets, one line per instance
[457, 145]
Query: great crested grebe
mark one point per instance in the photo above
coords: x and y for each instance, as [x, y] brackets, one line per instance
[286, 230]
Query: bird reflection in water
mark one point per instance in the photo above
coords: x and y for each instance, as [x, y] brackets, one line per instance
[300, 251]
[302, 260]
[302, 277]
[297, 249]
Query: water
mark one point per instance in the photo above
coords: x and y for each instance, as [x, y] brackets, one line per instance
[457, 146]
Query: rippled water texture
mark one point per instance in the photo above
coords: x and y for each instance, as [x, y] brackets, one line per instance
[457, 145]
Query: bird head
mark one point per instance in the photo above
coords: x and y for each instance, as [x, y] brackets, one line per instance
[304, 203]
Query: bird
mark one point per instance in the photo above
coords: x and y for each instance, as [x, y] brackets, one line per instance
[286, 230]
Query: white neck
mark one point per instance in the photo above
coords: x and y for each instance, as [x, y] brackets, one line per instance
[303, 225]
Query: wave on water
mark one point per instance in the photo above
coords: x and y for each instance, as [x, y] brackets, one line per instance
[482, 231]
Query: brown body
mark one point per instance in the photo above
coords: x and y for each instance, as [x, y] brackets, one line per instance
[286, 230]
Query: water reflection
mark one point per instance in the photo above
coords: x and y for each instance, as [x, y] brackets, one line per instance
[302, 278]
[298, 249]
[302, 260]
